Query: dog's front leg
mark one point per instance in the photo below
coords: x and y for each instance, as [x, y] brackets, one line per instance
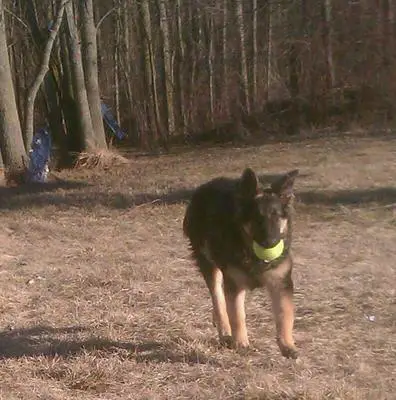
[235, 298]
[220, 317]
[282, 305]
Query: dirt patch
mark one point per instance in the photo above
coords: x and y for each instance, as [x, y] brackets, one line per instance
[99, 299]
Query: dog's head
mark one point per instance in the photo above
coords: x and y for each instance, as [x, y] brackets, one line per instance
[265, 211]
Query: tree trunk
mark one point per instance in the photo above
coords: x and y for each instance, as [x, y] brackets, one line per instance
[169, 84]
[74, 138]
[150, 73]
[11, 142]
[195, 41]
[328, 42]
[293, 126]
[117, 43]
[90, 64]
[269, 73]
[386, 32]
[42, 71]
[88, 136]
[211, 67]
[198, 53]
[243, 58]
[225, 58]
[255, 54]
[182, 52]
[129, 60]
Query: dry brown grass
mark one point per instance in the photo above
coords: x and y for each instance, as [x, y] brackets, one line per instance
[99, 300]
[103, 159]
[13, 178]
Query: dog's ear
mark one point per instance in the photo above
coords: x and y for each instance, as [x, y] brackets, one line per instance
[283, 187]
[249, 183]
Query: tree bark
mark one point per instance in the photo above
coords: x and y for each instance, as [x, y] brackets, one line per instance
[182, 53]
[255, 54]
[74, 138]
[225, 58]
[151, 74]
[41, 73]
[328, 42]
[386, 32]
[80, 94]
[243, 58]
[211, 67]
[11, 142]
[167, 54]
[194, 19]
[117, 58]
[132, 66]
[90, 64]
[268, 77]
[293, 127]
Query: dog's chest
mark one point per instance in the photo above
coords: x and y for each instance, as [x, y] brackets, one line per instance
[255, 275]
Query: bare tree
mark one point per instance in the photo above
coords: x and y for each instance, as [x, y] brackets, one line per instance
[89, 140]
[225, 56]
[117, 58]
[150, 71]
[182, 54]
[255, 53]
[130, 62]
[385, 24]
[328, 41]
[171, 66]
[42, 71]
[243, 57]
[90, 64]
[211, 66]
[11, 142]
[167, 53]
[268, 78]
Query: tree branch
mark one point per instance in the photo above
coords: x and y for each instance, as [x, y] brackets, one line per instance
[18, 19]
[42, 71]
[104, 17]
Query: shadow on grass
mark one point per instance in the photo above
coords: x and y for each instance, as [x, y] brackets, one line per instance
[34, 188]
[353, 197]
[47, 341]
[36, 194]
[86, 196]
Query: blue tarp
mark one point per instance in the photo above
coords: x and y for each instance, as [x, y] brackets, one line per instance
[111, 122]
[40, 152]
[39, 156]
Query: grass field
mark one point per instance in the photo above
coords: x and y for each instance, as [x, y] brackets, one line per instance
[99, 299]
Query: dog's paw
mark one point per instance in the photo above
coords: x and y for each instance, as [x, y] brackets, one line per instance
[241, 344]
[226, 341]
[289, 352]
[287, 348]
[246, 351]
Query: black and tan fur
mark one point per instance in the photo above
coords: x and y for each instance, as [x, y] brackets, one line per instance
[221, 222]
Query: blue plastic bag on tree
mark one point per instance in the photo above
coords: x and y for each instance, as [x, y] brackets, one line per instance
[39, 156]
[111, 122]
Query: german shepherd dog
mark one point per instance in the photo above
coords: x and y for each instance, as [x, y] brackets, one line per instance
[240, 237]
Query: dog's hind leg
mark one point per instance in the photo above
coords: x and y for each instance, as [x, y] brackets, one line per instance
[283, 309]
[235, 299]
